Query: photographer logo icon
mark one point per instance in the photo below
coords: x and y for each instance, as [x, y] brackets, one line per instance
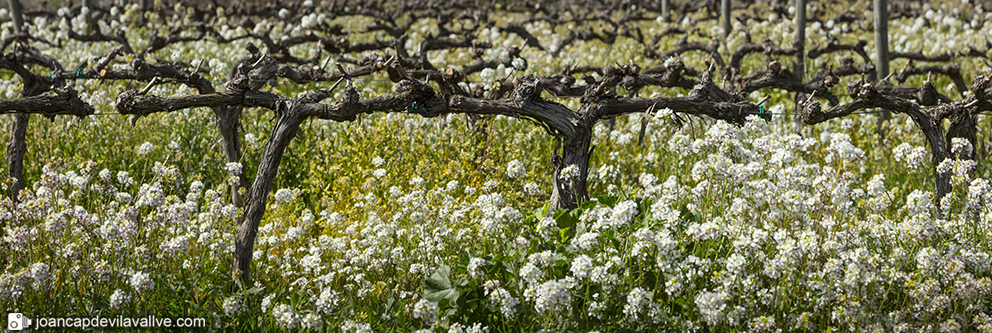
[17, 321]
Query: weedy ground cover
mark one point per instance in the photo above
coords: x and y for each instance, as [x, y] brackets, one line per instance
[398, 223]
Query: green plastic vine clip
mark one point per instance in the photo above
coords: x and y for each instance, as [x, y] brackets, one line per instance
[79, 73]
[415, 106]
[761, 109]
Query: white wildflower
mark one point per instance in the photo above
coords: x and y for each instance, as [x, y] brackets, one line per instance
[233, 168]
[841, 148]
[515, 169]
[876, 186]
[570, 172]
[475, 267]
[285, 317]
[530, 273]
[233, 305]
[549, 297]
[251, 140]
[671, 61]
[267, 302]
[142, 282]
[452, 186]
[488, 75]
[581, 266]
[913, 156]
[711, 306]
[145, 148]
[312, 322]
[425, 310]
[637, 299]
[285, 196]
[532, 189]
[416, 181]
[586, 241]
[961, 147]
[507, 303]
[119, 298]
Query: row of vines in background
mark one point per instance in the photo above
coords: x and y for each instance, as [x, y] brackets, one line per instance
[720, 88]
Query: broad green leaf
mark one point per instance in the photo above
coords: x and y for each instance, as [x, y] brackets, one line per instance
[438, 286]
[608, 200]
[566, 219]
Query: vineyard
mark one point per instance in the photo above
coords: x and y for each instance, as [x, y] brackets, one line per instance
[432, 166]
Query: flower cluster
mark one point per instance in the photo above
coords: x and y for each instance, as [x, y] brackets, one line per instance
[141, 282]
[912, 156]
[515, 169]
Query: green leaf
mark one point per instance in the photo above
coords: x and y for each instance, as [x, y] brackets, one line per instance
[509, 268]
[687, 214]
[255, 291]
[566, 219]
[644, 206]
[608, 200]
[540, 213]
[390, 302]
[438, 286]
[587, 205]
[564, 235]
